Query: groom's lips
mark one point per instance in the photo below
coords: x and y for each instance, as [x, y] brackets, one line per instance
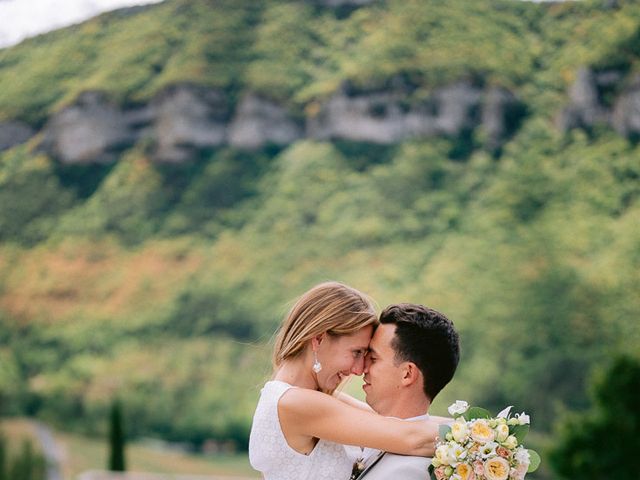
[365, 384]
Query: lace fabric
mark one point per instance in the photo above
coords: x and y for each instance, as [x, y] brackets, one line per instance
[270, 454]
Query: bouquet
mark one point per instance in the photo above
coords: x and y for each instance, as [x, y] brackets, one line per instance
[479, 447]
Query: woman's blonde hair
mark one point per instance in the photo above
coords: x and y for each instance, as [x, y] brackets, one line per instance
[329, 307]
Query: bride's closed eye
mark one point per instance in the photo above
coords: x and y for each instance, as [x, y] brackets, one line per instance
[359, 353]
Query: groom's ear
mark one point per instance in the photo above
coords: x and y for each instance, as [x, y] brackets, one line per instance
[410, 373]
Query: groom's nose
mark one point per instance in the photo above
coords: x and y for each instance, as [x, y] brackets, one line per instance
[367, 363]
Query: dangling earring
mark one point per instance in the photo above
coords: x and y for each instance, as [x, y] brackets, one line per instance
[317, 366]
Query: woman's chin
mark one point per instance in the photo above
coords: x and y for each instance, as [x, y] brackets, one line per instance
[333, 382]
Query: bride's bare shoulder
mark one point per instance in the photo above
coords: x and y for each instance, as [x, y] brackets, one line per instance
[303, 401]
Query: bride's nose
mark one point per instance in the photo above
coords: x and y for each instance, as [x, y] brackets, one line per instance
[358, 366]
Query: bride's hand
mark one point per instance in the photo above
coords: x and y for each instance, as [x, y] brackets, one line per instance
[428, 437]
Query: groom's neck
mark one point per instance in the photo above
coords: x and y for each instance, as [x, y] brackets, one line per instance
[407, 408]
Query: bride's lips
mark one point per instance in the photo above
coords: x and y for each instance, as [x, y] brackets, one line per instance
[365, 384]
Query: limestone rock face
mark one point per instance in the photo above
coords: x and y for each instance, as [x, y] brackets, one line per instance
[91, 130]
[584, 109]
[388, 117]
[14, 133]
[626, 112]
[259, 122]
[375, 117]
[603, 98]
[187, 118]
[501, 115]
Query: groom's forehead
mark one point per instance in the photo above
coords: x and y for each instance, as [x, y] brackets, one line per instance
[382, 337]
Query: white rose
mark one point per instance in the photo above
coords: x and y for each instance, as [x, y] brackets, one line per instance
[502, 432]
[458, 408]
[460, 431]
[522, 456]
[511, 442]
[442, 454]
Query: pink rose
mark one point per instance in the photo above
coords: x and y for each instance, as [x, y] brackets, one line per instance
[503, 452]
[439, 472]
[478, 467]
[521, 470]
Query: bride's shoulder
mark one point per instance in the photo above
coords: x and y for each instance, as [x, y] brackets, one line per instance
[303, 401]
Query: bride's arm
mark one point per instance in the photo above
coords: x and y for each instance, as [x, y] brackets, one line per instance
[441, 420]
[354, 402]
[309, 413]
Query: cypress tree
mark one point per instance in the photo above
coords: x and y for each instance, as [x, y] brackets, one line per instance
[116, 439]
[3, 458]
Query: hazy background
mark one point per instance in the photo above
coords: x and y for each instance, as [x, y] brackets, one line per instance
[173, 175]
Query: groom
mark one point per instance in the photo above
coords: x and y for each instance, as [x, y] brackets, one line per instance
[412, 356]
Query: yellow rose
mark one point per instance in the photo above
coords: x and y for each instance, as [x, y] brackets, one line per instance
[496, 468]
[481, 432]
[465, 471]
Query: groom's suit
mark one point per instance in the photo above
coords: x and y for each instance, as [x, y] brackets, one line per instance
[387, 466]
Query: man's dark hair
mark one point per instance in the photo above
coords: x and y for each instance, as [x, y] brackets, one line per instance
[427, 338]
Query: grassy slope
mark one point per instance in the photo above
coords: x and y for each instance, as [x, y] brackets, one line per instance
[80, 453]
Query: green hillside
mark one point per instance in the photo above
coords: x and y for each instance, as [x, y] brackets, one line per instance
[163, 283]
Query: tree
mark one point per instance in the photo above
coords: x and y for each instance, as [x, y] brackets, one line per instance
[116, 439]
[599, 443]
[3, 457]
[27, 465]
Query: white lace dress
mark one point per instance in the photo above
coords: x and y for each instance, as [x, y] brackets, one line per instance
[270, 454]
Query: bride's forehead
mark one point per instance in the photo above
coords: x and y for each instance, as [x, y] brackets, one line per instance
[359, 339]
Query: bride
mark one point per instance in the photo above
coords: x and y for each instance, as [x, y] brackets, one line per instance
[300, 427]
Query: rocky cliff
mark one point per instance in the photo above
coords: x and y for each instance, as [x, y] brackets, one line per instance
[608, 98]
[186, 118]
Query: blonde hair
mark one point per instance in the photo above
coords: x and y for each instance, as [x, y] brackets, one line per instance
[329, 307]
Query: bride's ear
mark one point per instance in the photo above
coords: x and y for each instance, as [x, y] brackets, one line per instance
[316, 341]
